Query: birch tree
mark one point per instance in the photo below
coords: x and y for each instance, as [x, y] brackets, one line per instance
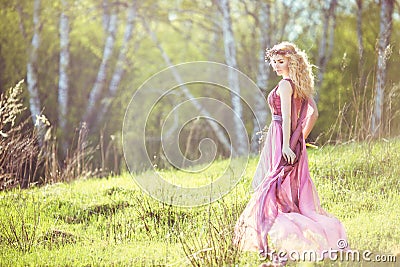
[326, 42]
[264, 24]
[63, 80]
[361, 75]
[214, 126]
[32, 65]
[233, 79]
[121, 62]
[106, 14]
[99, 84]
[385, 31]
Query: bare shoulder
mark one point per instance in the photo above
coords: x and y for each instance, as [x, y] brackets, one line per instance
[284, 88]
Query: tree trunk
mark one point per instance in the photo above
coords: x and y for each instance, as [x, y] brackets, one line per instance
[106, 14]
[97, 90]
[361, 74]
[220, 134]
[120, 65]
[325, 48]
[32, 71]
[383, 54]
[63, 75]
[233, 79]
[359, 119]
[263, 71]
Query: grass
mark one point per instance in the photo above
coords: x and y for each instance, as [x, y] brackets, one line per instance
[111, 222]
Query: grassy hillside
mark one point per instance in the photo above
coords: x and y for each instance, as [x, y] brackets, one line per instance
[112, 222]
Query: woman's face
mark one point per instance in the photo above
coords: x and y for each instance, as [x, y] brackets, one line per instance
[280, 64]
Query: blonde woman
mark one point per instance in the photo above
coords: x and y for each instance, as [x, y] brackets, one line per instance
[284, 213]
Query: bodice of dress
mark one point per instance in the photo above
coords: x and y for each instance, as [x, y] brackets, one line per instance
[274, 101]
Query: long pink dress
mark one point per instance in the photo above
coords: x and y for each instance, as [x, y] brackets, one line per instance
[284, 212]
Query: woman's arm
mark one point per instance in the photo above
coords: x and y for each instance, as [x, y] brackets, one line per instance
[311, 119]
[285, 93]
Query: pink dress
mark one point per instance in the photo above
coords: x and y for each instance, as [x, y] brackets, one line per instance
[284, 212]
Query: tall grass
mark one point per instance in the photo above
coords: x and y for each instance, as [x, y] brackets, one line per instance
[110, 221]
[19, 225]
[18, 147]
[354, 115]
[28, 157]
[213, 245]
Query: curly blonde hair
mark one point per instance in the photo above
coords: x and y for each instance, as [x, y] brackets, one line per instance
[300, 69]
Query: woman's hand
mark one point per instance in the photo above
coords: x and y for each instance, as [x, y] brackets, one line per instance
[288, 154]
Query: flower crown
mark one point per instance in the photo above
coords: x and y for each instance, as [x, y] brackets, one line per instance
[271, 52]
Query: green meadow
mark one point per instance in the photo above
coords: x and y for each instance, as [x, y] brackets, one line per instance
[111, 222]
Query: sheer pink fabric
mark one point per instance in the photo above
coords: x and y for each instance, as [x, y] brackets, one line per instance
[284, 212]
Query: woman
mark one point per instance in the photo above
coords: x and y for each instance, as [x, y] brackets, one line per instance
[284, 213]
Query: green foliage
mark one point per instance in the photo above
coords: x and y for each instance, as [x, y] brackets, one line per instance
[112, 222]
[190, 31]
[341, 94]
